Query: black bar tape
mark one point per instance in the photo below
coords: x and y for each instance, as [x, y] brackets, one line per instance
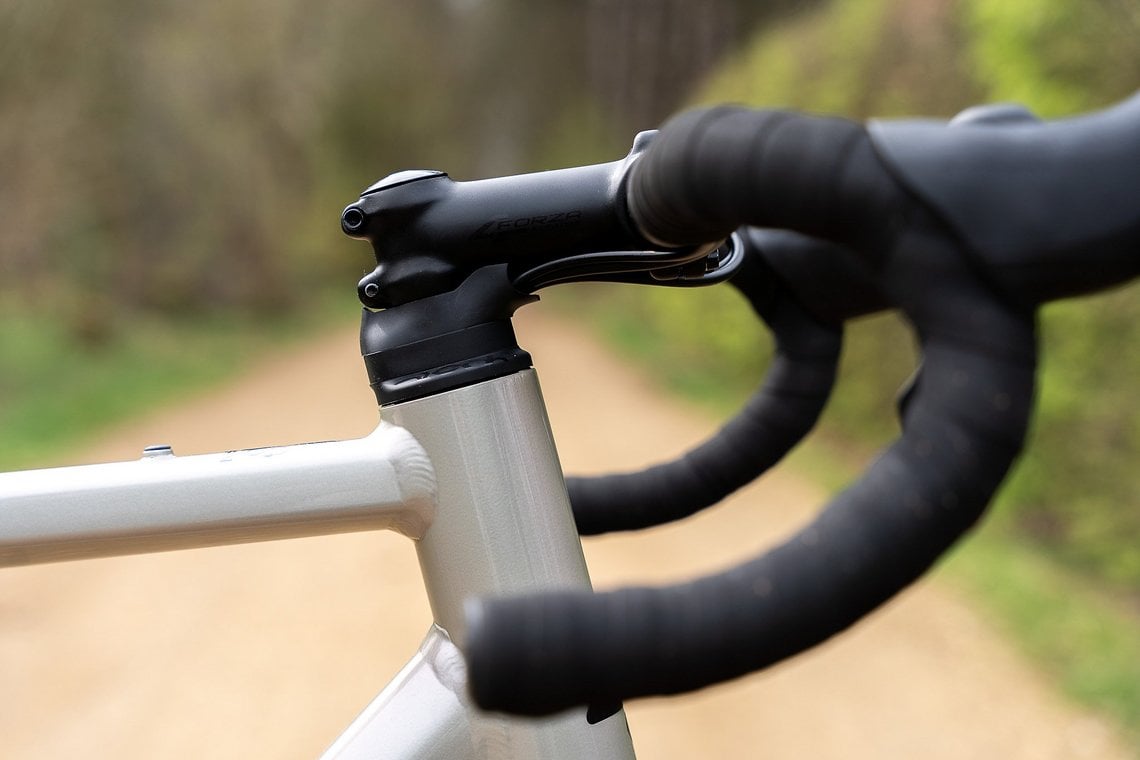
[963, 425]
[779, 415]
[710, 171]
[833, 283]
[962, 430]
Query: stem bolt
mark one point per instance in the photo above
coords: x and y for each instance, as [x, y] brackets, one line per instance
[352, 220]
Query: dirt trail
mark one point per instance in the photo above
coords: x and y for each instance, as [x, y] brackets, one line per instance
[267, 651]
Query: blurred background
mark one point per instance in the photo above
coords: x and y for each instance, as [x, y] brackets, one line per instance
[171, 178]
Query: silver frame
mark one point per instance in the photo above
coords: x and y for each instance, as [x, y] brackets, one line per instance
[472, 475]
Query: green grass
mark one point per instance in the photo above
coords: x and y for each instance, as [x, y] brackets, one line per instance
[1087, 641]
[702, 343]
[58, 389]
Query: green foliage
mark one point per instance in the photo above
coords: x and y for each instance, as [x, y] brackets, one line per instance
[853, 57]
[1059, 56]
[166, 162]
[1076, 490]
[1075, 493]
[177, 158]
[707, 344]
[1083, 638]
[703, 343]
[55, 389]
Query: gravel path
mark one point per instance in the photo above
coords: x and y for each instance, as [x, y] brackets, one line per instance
[267, 651]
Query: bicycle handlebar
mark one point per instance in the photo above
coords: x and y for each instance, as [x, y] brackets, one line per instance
[971, 299]
[779, 415]
[804, 290]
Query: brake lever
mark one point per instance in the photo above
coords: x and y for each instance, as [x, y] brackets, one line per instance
[694, 266]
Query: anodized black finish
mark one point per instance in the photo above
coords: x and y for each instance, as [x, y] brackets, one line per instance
[965, 228]
[446, 341]
[429, 232]
[455, 259]
[1049, 209]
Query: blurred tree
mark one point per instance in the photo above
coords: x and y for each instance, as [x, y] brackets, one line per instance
[171, 157]
[1075, 490]
[647, 56]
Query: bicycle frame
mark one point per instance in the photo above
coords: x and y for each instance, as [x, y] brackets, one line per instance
[471, 474]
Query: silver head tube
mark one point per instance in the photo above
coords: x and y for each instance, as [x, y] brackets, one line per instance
[503, 523]
[502, 526]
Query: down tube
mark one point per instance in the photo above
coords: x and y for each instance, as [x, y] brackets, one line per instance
[502, 526]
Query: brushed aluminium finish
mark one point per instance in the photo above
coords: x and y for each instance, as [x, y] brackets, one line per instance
[503, 523]
[488, 510]
[502, 526]
[422, 713]
[162, 502]
[425, 713]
